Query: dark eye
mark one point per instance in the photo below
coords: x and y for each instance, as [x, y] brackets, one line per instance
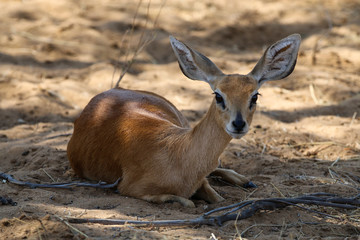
[253, 100]
[219, 100]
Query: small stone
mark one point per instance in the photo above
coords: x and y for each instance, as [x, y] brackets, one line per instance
[25, 153]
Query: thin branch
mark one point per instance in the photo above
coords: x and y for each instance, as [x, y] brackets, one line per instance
[248, 209]
[310, 210]
[160, 223]
[120, 47]
[143, 42]
[228, 207]
[69, 185]
[128, 65]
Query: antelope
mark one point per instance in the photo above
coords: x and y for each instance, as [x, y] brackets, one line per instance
[143, 139]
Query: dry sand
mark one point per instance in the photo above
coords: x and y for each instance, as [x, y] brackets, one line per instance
[56, 55]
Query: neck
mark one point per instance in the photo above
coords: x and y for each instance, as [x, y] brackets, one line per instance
[207, 140]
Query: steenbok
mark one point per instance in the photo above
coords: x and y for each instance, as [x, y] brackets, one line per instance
[141, 138]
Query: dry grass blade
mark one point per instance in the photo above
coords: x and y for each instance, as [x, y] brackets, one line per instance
[277, 189]
[46, 39]
[52, 179]
[315, 143]
[313, 95]
[353, 119]
[72, 227]
[60, 135]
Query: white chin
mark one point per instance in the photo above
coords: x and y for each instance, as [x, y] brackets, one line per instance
[236, 135]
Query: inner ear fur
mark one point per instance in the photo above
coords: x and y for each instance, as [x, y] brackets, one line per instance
[194, 64]
[278, 61]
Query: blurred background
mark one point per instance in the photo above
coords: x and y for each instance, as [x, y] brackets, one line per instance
[56, 55]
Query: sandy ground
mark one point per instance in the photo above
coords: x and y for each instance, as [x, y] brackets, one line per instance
[56, 55]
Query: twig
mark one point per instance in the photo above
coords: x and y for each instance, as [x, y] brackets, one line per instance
[228, 207]
[142, 43]
[335, 162]
[69, 185]
[239, 207]
[120, 47]
[310, 210]
[249, 208]
[159, 223]
[131, 33]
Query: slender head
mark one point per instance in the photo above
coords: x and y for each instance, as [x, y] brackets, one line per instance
[235, 94]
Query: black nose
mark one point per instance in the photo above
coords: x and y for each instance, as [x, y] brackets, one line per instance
[238, 124]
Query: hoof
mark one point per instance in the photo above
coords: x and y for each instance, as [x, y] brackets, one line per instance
[249, 185]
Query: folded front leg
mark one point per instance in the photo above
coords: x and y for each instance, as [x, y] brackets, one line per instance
[207, 193]
[233, 177]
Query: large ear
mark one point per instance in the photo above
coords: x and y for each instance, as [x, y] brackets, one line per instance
[278, 60]
[193, 64]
